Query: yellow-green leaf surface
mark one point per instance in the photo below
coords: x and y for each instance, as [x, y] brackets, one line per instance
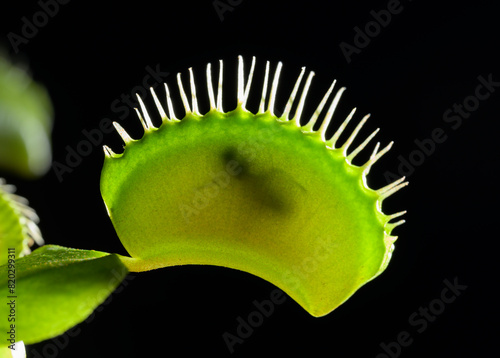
[25, 123]
[55, 289]
[257, 192]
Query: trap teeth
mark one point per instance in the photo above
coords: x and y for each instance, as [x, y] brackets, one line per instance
[265, 105]
[169, 104]
[146, 122]
[391, 186]
[123, 134]
[308, 127]
[300, 106]
[194, 101]
[264, 90]
[159, 106]
[288, 106]
[274, 88]
[356, 151]
[108, 152]
[329, 114]
[184, 99]
[268, 105]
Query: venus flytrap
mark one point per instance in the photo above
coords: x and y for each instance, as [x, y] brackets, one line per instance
[298, 188]
[293, 210]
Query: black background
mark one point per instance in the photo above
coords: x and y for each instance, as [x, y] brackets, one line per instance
[426, 59]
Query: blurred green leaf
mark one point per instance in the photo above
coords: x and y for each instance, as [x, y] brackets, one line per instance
[55, 289]
[25, 123]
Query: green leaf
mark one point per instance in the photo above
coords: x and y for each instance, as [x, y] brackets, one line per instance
[25, 123]
[55, 289]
